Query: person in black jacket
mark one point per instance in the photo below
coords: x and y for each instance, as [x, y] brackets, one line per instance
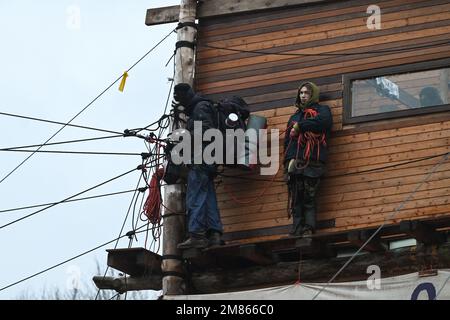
[204, 224]
[305, 156]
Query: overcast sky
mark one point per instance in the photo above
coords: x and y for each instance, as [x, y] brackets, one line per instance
[55, 57]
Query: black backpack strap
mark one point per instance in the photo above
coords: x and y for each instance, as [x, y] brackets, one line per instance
[216, 115]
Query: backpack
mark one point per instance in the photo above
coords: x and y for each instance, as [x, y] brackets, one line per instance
[231, 113]
[223, 120]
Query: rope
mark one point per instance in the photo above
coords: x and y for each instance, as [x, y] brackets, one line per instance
[344, 174]
[159, 121]
[235, 199]
[133, 202]
[172, 213]
[75, 152]
[123, 224]
[308, 140]
[84, 108]
[65, 261]
[443, 286]
[390, 217]
[299, 269]
[72, 200]
[186, 24]
[157, 231]
[429, 45]
[152, 206]
[66, 199]
[61, 142]
[57, 122]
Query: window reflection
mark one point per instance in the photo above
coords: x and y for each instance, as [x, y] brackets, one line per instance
[400, 92]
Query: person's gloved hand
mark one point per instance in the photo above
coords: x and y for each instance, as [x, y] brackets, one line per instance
[295, 130]
[286, 177]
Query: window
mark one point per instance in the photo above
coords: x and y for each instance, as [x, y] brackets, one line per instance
[397, 91]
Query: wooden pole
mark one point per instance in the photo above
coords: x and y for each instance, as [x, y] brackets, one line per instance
[174, 223]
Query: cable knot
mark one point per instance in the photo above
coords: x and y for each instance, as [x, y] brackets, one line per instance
[142, 168]
[186, 24]
[142, 189]
[146, 155]
[130, 234]
[128, 133]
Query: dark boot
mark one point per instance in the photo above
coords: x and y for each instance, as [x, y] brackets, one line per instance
[195, 240]
[307, 231]
[309, 204]
[214, 238]
[310, 217]
[297, 210]
[297, 227]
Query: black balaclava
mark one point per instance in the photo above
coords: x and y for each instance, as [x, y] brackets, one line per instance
[183, 93]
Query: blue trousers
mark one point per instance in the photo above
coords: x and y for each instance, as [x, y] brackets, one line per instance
[201, 202]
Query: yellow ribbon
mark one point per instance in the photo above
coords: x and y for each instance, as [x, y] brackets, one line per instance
[122, 83]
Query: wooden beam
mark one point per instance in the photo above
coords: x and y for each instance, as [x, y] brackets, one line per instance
[392, 263]
[308, 246]
[253, 253]
[359, 237]
[213, 8]
[198, 259]
[421, 232]
[135, 262]
[314, 247]
[122, 284]
[162, 15]
[228, 257]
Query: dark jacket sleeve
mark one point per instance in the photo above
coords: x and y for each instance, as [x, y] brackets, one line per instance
[287, 137]
[203, 111]
[287, 133]
[321, 123]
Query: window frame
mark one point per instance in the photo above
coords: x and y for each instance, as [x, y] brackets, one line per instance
[388, 71]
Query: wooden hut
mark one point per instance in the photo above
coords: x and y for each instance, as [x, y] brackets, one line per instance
[388, 164]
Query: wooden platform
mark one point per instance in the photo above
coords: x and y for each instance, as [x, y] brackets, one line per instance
[318, 246]
[316, 258]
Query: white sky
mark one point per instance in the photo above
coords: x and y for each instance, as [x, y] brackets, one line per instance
[51, 69]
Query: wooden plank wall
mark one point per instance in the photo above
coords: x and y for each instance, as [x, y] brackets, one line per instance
[269, 82]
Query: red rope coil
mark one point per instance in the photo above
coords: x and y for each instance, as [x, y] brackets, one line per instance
[152, 206]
